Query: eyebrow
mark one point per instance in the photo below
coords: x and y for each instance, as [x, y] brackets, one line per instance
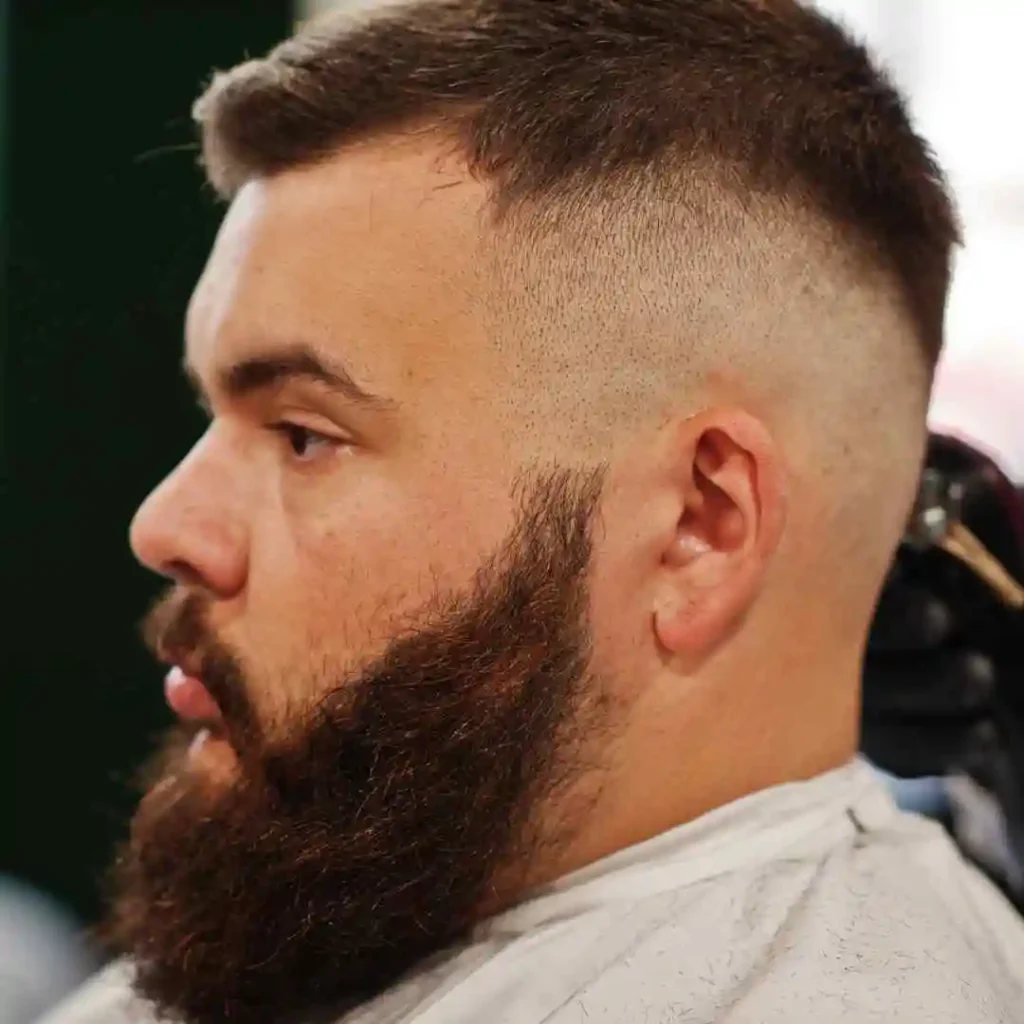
[275, 367]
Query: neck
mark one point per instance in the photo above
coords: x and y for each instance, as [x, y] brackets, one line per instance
[725, 739]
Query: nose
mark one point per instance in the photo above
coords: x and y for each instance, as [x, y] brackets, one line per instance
[191, 530]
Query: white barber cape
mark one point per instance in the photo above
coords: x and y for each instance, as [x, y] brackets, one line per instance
[809, 903]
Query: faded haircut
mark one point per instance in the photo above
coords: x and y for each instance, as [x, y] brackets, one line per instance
[740, 169]
[559, 101]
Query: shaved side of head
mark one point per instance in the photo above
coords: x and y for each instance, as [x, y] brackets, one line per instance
[630, 312]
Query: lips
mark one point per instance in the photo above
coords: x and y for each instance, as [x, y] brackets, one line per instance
[189, 698]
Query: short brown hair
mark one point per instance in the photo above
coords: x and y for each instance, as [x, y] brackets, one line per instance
[558, 101]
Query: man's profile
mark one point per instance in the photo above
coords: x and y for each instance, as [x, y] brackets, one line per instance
[567, 364]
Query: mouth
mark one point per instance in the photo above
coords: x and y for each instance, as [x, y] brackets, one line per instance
[210, 747]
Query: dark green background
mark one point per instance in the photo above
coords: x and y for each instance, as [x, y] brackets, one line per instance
[108, 225]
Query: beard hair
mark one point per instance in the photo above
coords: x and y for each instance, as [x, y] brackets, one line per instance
[374, 834]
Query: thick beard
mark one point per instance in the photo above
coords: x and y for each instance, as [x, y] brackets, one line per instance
[373, 837]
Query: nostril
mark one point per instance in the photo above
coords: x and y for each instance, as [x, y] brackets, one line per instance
[183, 573]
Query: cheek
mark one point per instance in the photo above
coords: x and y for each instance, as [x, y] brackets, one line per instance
[329, 588]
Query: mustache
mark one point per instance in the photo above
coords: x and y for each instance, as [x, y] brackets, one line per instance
[176, 631]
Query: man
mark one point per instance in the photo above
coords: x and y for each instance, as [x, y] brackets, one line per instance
[568, 363]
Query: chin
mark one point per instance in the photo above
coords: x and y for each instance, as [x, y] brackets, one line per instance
[198, 762]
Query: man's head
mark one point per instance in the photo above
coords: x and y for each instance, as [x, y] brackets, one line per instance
[568, 363]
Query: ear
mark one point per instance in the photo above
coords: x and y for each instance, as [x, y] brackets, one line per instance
[732, 501]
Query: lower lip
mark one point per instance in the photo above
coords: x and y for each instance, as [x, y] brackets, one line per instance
[189, 698]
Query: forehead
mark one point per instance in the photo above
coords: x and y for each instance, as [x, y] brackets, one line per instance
[374, 255]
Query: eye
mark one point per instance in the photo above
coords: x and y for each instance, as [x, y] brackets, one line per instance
[303, 443]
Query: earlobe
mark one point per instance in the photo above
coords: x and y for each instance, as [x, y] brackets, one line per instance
[730, 523]
[698, 613]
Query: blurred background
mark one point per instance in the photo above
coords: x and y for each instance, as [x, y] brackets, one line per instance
[105, 224]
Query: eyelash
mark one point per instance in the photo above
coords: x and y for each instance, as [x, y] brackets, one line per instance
[292, 432]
